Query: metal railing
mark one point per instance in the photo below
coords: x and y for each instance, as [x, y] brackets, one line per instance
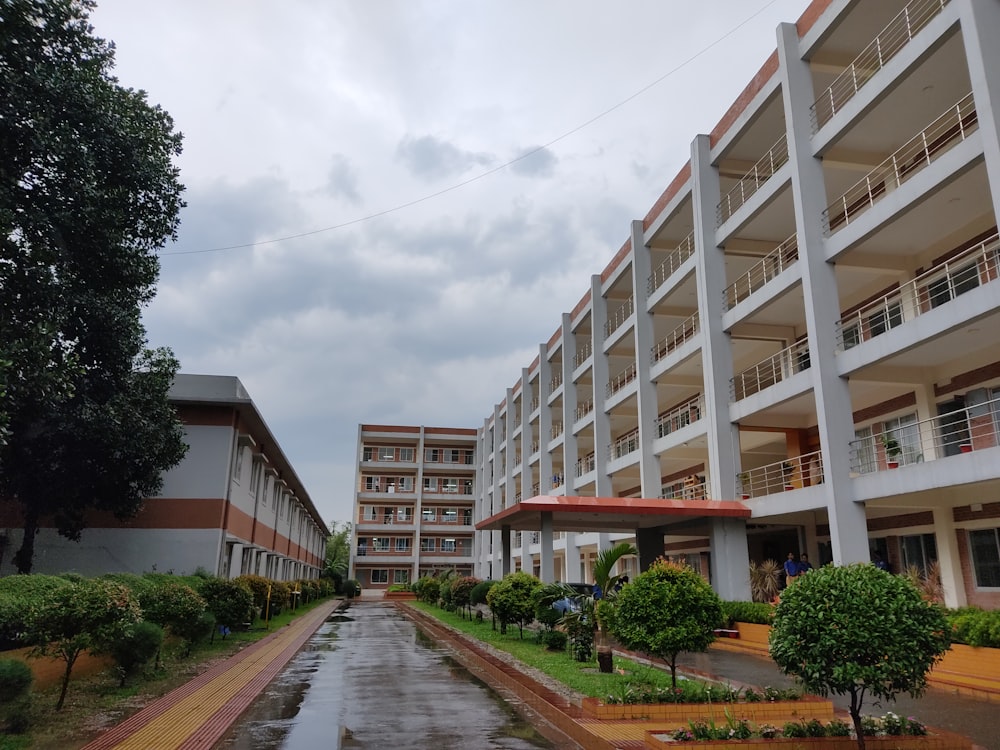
[556, 380]
[534, 403]
[583, 409]
[622, 379]
[535, 488]
[557, 430]
[586, 464]
[956, 124]
[972, 268]
[690, 491]
[782, 476]
[534, 446]
[558, 480]
[517, 497]
[673, 261]
[517, 418]
[686, 330]
[617, 319]
[624, 445]
[680, 416]
[751, 182]
[517, 458]
[772, 370]
[889, 41]
[582, 353]
[772, 264]
[973, 428]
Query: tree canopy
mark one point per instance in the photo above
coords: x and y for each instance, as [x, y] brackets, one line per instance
[338, 551]
[88, 194]
[854, 630]
[512, 600]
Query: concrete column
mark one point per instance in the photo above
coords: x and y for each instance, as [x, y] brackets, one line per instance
[926, 408]
[545, 537]
[728, 537]
[650, 476]
[544, 419]
[650, 545]
[980, 31]
[525, 484]
[949, 560]
[505, 565]
[848, 528]
[497, 501]
[571, 451]
[602, 422]
[716, 349]
[262, 559]
[574, 559]
[236, 561]
[509, 489]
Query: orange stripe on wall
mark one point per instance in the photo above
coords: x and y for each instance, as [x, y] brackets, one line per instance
[767, 70]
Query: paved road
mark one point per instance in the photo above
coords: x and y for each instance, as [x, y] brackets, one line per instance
[369, 679]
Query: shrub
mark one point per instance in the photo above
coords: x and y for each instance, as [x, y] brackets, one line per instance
[480, 591]
[430, 592]
[554, 640]
[461, 590]
[229, 602]
[758, 613]
[546, 614]
[15, 679]
[764, 581]
[512, 600]
[17, 595]
[581, 638]
[975, 627]
[838, 728]
[261, 589]
[352, 588]
[135, 647]
[193, 631]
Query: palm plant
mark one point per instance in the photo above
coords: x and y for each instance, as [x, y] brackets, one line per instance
[604, 608]
[764, 580]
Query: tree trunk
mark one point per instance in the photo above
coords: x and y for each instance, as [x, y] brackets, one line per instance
[855, 710]
[65, 682]
[604, 657]
[24, 557]
[673, 671]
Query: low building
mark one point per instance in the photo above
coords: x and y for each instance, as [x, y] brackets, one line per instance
[233, 505]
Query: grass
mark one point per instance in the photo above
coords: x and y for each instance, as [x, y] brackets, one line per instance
[97, 703]
[583, 677]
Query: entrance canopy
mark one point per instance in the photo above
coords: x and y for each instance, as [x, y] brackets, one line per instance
[607, 513]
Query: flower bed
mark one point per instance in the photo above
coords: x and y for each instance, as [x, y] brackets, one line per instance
[806, 707]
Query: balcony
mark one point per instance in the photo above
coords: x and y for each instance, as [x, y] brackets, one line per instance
[617, 319]
[696, 489]
[534, 447]
[534, 404]
[890, 40]
[680, 416]
[624, 445]
[685, 331]
[977, 266]
[947, 131]
[557, 430]
[620, 380]
[583, 409]
[772, 370]
[557, 378]
[558, 480]
[752, 181]
[772, 264]
[585, 465]
[782, 476]
[673, 261]
[961, 431]
[583, 353]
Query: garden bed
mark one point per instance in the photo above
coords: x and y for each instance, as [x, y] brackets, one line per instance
[807, 707]
[935, 741]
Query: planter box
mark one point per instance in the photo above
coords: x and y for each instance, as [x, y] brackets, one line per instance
[767, 712]
[937, 741]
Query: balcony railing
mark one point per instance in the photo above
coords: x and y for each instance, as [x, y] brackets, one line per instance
[772, 370]
[890, 40]
[517, 497]
[583, 409]
[534, 447]
[517, 458]
[585, 465]
[557, 430]
[534, 403]
[752, 181]
[582, 353]
[673, 261]
[972, 268]
[624, 445]
[948, 130]
[686, 330]
[617, 319]
[517, 416]
[782, 476]
[697, 490]
[772, 264]
[558, 480]
[535, 488]
[622, 379]
[680, 416]
[965, 430]
[556, 380]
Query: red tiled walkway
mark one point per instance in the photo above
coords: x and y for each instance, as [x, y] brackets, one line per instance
[196, 715]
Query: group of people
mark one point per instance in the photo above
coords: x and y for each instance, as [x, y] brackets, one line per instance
[794, 568]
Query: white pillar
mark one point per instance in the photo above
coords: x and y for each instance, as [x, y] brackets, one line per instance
[980, 31]
[236, 561]
[949, 560]
[545, 538]
[650, 476]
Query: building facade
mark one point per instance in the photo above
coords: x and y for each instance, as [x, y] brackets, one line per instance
[803, 322]
[233, 505]
[414, 502]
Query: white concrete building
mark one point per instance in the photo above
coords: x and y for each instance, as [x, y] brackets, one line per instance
[803, 323]
[414, 501]
[233, 505]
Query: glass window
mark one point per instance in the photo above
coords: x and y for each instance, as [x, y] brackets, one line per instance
[449, 485]
[402, 544]
[369, 512]
[864, 451]
[852, 336]
[371, 484]
[426, 545]
[447, 545]
[450, 515]
[919, 551]
[985, 547]
[404, 513]
[238, 465]
[401, 576]
[406, 454]
[380, 575]
[432, 455]
[386, 454]
[904, 429]
[885, 318]
[428, 515]
[367, 454]
[380, 543]
[430, 484]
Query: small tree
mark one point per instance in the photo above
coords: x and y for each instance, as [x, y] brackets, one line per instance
[512, 600]
[231, 603]
[174, 607]
[666, 610]
[15, 703]
[461, 592]
[84, 616]
[135, 647]
[858, 630]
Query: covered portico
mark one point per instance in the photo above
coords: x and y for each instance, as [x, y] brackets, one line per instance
[723, 522]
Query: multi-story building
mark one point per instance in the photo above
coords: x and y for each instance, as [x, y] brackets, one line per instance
[233, 505]
[801, 324]
[414, 503]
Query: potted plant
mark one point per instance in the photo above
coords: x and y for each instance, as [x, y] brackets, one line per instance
[744, 479]
[892, 450]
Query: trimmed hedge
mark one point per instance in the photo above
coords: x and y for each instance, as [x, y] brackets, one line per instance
[758, 613]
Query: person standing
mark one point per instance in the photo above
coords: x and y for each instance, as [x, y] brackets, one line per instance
[791, 569]
[804, 565]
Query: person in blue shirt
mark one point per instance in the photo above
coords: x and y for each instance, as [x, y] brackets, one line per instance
[804, 564]
[597, 593]
[791, 568]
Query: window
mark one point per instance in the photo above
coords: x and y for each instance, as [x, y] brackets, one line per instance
[238, 465]
[447, 545]
[454, 455]
[450, 515]
[371, 484]
[864, 449]
[428, 515]
[852, 336]
[380, 575]
[985, 547]
[919, 551]
[904, 429]
[955, 283]
[402, 544]
[432, 455]
[406, 454]
[369, 512]
[386, 454]
[426, 545]
[404, 514]
[401, 576]
[367, 454]
[470, 457]
[255, 474]
[449, 485]
[380, 543]
[430, 484]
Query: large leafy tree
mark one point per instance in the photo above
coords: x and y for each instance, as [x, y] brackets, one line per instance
[88, 194]
[512, 600]
[338, 551]
[857, 630]
[666, 610]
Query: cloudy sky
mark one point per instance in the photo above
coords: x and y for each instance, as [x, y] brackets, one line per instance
[439, 169]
